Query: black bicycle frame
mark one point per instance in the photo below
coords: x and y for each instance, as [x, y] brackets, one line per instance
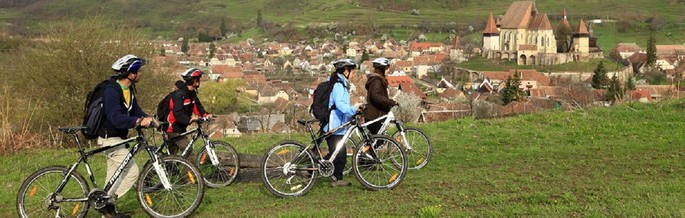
[84, 158]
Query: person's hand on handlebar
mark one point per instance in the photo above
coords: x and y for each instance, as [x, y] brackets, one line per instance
[147, 121]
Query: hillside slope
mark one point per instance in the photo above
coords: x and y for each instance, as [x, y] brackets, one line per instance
[621, 161]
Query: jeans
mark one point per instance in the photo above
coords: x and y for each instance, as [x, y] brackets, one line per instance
[339, 160]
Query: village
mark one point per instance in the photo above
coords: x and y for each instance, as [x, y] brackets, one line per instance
[279, 78]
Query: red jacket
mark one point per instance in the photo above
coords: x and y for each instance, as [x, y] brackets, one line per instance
[183, 104]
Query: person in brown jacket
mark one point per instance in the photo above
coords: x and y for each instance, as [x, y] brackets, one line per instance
[379, 103]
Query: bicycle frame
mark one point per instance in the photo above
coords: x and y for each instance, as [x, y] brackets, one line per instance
[390, 117]
[199, 132]
[141, 141]
[352, 124]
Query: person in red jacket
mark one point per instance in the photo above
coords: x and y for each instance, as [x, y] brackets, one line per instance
[185, 108]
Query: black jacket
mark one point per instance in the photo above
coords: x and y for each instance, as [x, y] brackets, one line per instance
[379, 103]
[183, 104]
[118, 117]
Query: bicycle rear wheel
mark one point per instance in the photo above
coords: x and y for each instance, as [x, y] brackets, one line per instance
[35, 194]
[288, 169]
[422, 149]
[187, 190]
[223, 174]
[380, 163]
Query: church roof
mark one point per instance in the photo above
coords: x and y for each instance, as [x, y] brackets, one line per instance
[564, 22]
[540, 22]
[491, 26]
[582, 29]
[518, 15]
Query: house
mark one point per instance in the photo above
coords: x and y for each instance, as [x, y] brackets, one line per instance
[530, 79]
[267, 94]
[260, 123]
[451, 95]
[625, 50]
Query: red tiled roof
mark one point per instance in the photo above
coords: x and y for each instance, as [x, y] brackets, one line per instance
[540, 22]
[416, 46]
[395, 81]
[491, 26]
[411, 88]
[582, 29]
[518, 15]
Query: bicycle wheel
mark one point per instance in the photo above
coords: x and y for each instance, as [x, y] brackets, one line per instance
[225, 172]
[288, 169]
[35, 194]
[422, 149]
[185, 194]
[380, 164]
[351, 145]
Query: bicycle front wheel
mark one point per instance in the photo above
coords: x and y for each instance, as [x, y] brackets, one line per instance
[288, 169]
[184, 196]
[222, 173]
[421, 147]
[380, 163]
[36, 199]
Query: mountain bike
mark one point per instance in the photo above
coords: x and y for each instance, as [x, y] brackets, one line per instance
[217, 161]
[60, 191]
[416, 143]
[290, 168]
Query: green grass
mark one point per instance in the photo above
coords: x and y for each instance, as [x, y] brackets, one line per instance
[623, 161]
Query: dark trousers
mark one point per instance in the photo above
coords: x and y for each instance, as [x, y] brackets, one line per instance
[179, 144]
[375, 127]
[340, 160]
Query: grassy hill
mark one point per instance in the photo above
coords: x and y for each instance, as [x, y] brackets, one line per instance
[621, 161]
[173, 18]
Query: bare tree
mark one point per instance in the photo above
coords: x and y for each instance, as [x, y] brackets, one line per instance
[409, 108]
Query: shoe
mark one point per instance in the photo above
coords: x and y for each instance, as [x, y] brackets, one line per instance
[122, 215]
[339, 183]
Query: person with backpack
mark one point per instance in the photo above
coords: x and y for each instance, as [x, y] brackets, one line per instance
[340, 112]
[379, 103]
[183, 107]
[121, 113]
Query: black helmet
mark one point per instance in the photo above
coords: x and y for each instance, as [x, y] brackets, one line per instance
[127, 64]
[190, 74]
[342, 63]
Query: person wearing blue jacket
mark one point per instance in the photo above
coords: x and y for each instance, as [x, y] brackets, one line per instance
[121, 113]
[341, 112]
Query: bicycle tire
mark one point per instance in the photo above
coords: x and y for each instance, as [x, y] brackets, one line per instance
[422, 149]
[277, 180]
[184, 178]
[380, 166]
[226, 172]
[36, 193]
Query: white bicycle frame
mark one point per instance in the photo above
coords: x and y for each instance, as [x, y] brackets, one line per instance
[390, 117]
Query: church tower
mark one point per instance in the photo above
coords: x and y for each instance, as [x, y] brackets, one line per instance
[491, 35]
[581, 39]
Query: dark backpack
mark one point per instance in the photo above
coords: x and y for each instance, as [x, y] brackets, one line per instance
[93, 112]
[163, 109]
[319, 107]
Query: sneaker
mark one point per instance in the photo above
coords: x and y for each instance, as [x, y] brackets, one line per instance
[339, 183]
[122, 215]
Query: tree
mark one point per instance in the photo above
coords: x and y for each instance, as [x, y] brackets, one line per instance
[651, 50]
[563, 37]
[212, 50]
[630, 83]
[259, 19]
[365, 57]
[223, 97]
[512, 90]
[409, 108]
[222, 28]
[615, 91]
[162, 51]
[599, 76]
[184, 45]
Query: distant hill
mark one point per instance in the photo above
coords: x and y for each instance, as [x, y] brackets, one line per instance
[173, 18]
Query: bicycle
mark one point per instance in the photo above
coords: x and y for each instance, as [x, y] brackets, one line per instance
[290, 168]
[416, 143]
[218, 161]
[60, 191]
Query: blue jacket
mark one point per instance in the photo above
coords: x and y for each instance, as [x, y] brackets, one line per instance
[340, 96]
[118, 117]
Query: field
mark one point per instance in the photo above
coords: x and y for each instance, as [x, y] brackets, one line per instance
[622, 161]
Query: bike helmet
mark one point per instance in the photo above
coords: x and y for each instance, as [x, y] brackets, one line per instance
[127, 64]
[381, 63]
[191, 74]
[340, 64]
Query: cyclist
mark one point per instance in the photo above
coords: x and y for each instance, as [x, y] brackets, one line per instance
[185, 108]
[379, 103]
[121, 113]
[341, 112]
